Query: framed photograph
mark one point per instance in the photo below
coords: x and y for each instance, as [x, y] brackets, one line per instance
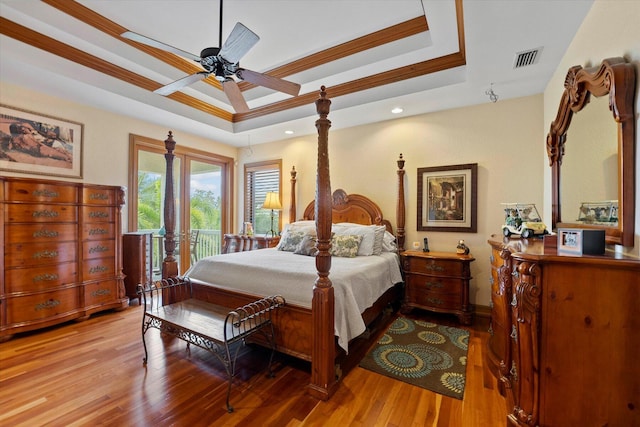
[569, 242]
[576, 241]
[39, 144]
[447, 198]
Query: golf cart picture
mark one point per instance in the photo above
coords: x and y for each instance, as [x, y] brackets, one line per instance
[522, 219]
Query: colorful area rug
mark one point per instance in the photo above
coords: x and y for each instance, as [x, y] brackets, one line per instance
[424, 354]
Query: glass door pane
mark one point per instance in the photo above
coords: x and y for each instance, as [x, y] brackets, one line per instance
[204, 210]
[152, 178]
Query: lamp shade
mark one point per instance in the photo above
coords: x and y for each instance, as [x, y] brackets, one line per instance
[271, 201]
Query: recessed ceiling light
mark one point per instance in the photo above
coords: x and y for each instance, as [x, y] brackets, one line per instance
[397, 110]
[288, 132]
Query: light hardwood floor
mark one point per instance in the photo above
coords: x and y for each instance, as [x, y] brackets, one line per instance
[91, 373]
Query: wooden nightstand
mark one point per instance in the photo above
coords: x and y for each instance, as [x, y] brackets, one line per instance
[437, 281]
[241, 242]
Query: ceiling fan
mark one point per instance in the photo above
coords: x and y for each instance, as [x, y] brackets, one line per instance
[224, 64]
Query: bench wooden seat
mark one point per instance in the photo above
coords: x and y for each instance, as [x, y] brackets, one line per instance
[170, 307]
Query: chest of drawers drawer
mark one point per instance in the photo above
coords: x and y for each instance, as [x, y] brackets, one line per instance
[28, 213]
[25, 191]
[40, 278]
[98, 214]
[93, 269]
[40, 233]
[92, 249]
[54, 305]
[34, 254]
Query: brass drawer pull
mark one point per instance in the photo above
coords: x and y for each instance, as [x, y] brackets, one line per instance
[52, 303]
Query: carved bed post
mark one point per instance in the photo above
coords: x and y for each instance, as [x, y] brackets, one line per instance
[323, 377]
[400, 209]
[169, 264]
[292, 207]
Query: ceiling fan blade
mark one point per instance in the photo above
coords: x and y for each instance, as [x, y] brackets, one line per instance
[234, 94]
[179, 84]
[238, 43]
[271, 82]
[154, 43]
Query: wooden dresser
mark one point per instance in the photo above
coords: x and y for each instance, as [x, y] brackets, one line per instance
[437, 281]
[241, 242]
[565, 335]
[61, 252]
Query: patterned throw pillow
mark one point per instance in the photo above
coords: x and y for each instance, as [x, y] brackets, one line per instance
[290, 241]
[345, 245]
[307, 246]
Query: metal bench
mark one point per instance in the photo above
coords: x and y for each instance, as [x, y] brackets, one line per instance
[170, 307]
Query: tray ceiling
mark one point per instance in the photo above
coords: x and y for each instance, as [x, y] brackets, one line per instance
[372, 56]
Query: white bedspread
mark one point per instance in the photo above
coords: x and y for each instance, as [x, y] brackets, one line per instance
[357, 282]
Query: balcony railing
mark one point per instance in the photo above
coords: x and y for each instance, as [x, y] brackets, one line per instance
[209, 243]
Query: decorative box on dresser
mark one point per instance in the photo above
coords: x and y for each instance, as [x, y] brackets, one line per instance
[242, 242]
[438, 281]
[61, 252]
[565, 335]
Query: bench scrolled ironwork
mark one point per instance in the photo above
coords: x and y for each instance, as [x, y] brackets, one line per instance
[170, 307]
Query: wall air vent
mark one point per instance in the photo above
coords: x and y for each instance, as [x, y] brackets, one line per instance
[527, 57]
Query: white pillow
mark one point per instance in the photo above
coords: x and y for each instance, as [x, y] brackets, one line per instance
[389, 243]
[372, 236]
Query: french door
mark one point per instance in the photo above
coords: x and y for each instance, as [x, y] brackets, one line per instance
[202, 200]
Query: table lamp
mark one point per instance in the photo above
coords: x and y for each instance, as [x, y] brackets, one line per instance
[272, 201]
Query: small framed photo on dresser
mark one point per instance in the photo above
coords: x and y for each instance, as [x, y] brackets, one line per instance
[577, 241]
[569, 242]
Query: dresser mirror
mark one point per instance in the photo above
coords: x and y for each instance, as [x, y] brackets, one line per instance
[591, 151]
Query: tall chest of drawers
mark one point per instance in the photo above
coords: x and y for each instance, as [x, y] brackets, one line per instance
[61, 252]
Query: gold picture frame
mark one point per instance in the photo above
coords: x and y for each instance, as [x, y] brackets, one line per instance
[35, 143]
[447, 198]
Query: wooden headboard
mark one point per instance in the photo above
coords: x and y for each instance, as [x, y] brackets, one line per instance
[357, 208]
[353, 208]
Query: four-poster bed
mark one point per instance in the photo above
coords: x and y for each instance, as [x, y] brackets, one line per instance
[308, 330]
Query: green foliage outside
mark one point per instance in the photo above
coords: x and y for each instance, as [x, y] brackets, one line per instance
[149, 201]
[262, 221]
[205, 210]
[205, 205]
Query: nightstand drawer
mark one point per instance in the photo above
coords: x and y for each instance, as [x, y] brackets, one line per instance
[436, 267]
[425, 298]
[433, 284]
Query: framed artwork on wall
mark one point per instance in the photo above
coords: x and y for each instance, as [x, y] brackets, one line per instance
[39, 144]
[447, 198]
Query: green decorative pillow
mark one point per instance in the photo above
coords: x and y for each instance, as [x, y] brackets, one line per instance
[307, 246]
[290, 241]
[345, 245]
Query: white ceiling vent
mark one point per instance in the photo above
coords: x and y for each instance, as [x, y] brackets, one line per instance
[527, 57]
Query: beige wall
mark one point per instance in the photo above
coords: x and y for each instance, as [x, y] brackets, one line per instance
[506, 139]
[106, 136]
[503, 138]
[610, 29]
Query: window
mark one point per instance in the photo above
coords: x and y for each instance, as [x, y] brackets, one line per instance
[260, 178]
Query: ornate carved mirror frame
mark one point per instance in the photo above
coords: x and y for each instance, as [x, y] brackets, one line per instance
[616, 78]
